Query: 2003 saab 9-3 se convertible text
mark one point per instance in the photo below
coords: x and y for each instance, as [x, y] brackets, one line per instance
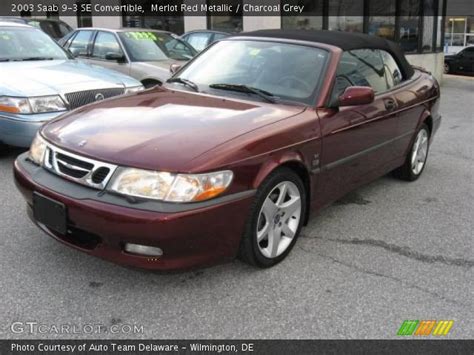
[230, 155]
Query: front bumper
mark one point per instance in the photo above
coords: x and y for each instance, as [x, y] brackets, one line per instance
[20, 130]
[193, 236]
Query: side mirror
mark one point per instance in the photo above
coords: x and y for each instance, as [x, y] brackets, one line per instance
[174, 68]
[75, 52]
[115, 56]
[356, 95]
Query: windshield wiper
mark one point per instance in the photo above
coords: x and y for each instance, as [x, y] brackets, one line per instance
[267, 96]
[186, 82]
[5, 60]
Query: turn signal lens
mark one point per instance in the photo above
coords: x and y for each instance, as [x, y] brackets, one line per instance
[14, 104]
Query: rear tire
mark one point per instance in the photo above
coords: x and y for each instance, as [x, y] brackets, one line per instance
[417, 156]
[275, 219]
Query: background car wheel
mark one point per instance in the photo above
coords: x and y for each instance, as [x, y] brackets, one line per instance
[416, 158]
[447, 69]
[275, 220]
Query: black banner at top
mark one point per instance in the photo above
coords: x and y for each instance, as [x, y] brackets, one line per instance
[236, 7]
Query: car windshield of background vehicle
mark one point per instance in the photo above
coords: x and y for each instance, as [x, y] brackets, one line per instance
[28, 44]
[286, 71]
[148, 46]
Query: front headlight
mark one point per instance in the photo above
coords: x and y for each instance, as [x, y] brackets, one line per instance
[170, 187]
[134, 89]
[37, 149]
[38, 104]
[47, 104]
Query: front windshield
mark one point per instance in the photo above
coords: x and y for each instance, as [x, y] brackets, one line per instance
[28, 44]
[285, 71]
[149, 46]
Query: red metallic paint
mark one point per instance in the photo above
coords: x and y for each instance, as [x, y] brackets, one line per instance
[338, 149]
[356, 95]
[198, 237]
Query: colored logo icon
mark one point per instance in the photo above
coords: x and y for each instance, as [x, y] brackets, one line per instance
[425, 327]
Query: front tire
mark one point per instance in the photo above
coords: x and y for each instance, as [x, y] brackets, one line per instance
[417, 156]
[275, 219]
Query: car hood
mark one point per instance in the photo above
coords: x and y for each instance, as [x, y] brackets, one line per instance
[160, 129]
[50, 77]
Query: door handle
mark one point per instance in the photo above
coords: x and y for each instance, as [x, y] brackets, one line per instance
[390, 104]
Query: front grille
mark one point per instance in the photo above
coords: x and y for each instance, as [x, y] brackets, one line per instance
[100, 175]
[67, 170]
[81, 98]
[85, 171]
[70, 160]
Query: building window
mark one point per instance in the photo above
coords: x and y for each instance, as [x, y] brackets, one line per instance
[428, 20]
[166, 22]
[459, 33]
[173, 24]
[382, 18]
[313, 21]
[439, 27]
[409, 22]
[341, 15]
[231, 22]
[84, 19]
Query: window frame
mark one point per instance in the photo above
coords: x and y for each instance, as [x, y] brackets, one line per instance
[117, 38]
[197, 33]
[333, 98]
[89, 43]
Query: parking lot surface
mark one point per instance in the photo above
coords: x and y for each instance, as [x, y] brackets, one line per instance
[388, 252]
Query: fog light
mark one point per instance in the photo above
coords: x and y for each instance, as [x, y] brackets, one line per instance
[143, 250]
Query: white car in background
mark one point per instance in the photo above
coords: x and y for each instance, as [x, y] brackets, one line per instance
[144, 54]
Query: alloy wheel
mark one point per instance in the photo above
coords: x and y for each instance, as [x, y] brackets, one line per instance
[419, 152]
[279, 219]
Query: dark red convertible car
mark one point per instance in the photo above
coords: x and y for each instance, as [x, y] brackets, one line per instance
[229, 157]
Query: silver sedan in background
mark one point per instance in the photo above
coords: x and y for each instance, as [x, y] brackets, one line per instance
[144, 54]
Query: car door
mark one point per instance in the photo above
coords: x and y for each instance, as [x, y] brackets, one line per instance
[356, 140]
[466, 60]
[107, 52]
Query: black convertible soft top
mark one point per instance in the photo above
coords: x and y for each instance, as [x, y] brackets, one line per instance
[344, 40]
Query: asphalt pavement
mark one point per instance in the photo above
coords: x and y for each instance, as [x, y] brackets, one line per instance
[388, 252]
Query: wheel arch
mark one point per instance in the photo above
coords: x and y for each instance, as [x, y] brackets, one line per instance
[150, 81]
[295, 162]
[427, 118]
